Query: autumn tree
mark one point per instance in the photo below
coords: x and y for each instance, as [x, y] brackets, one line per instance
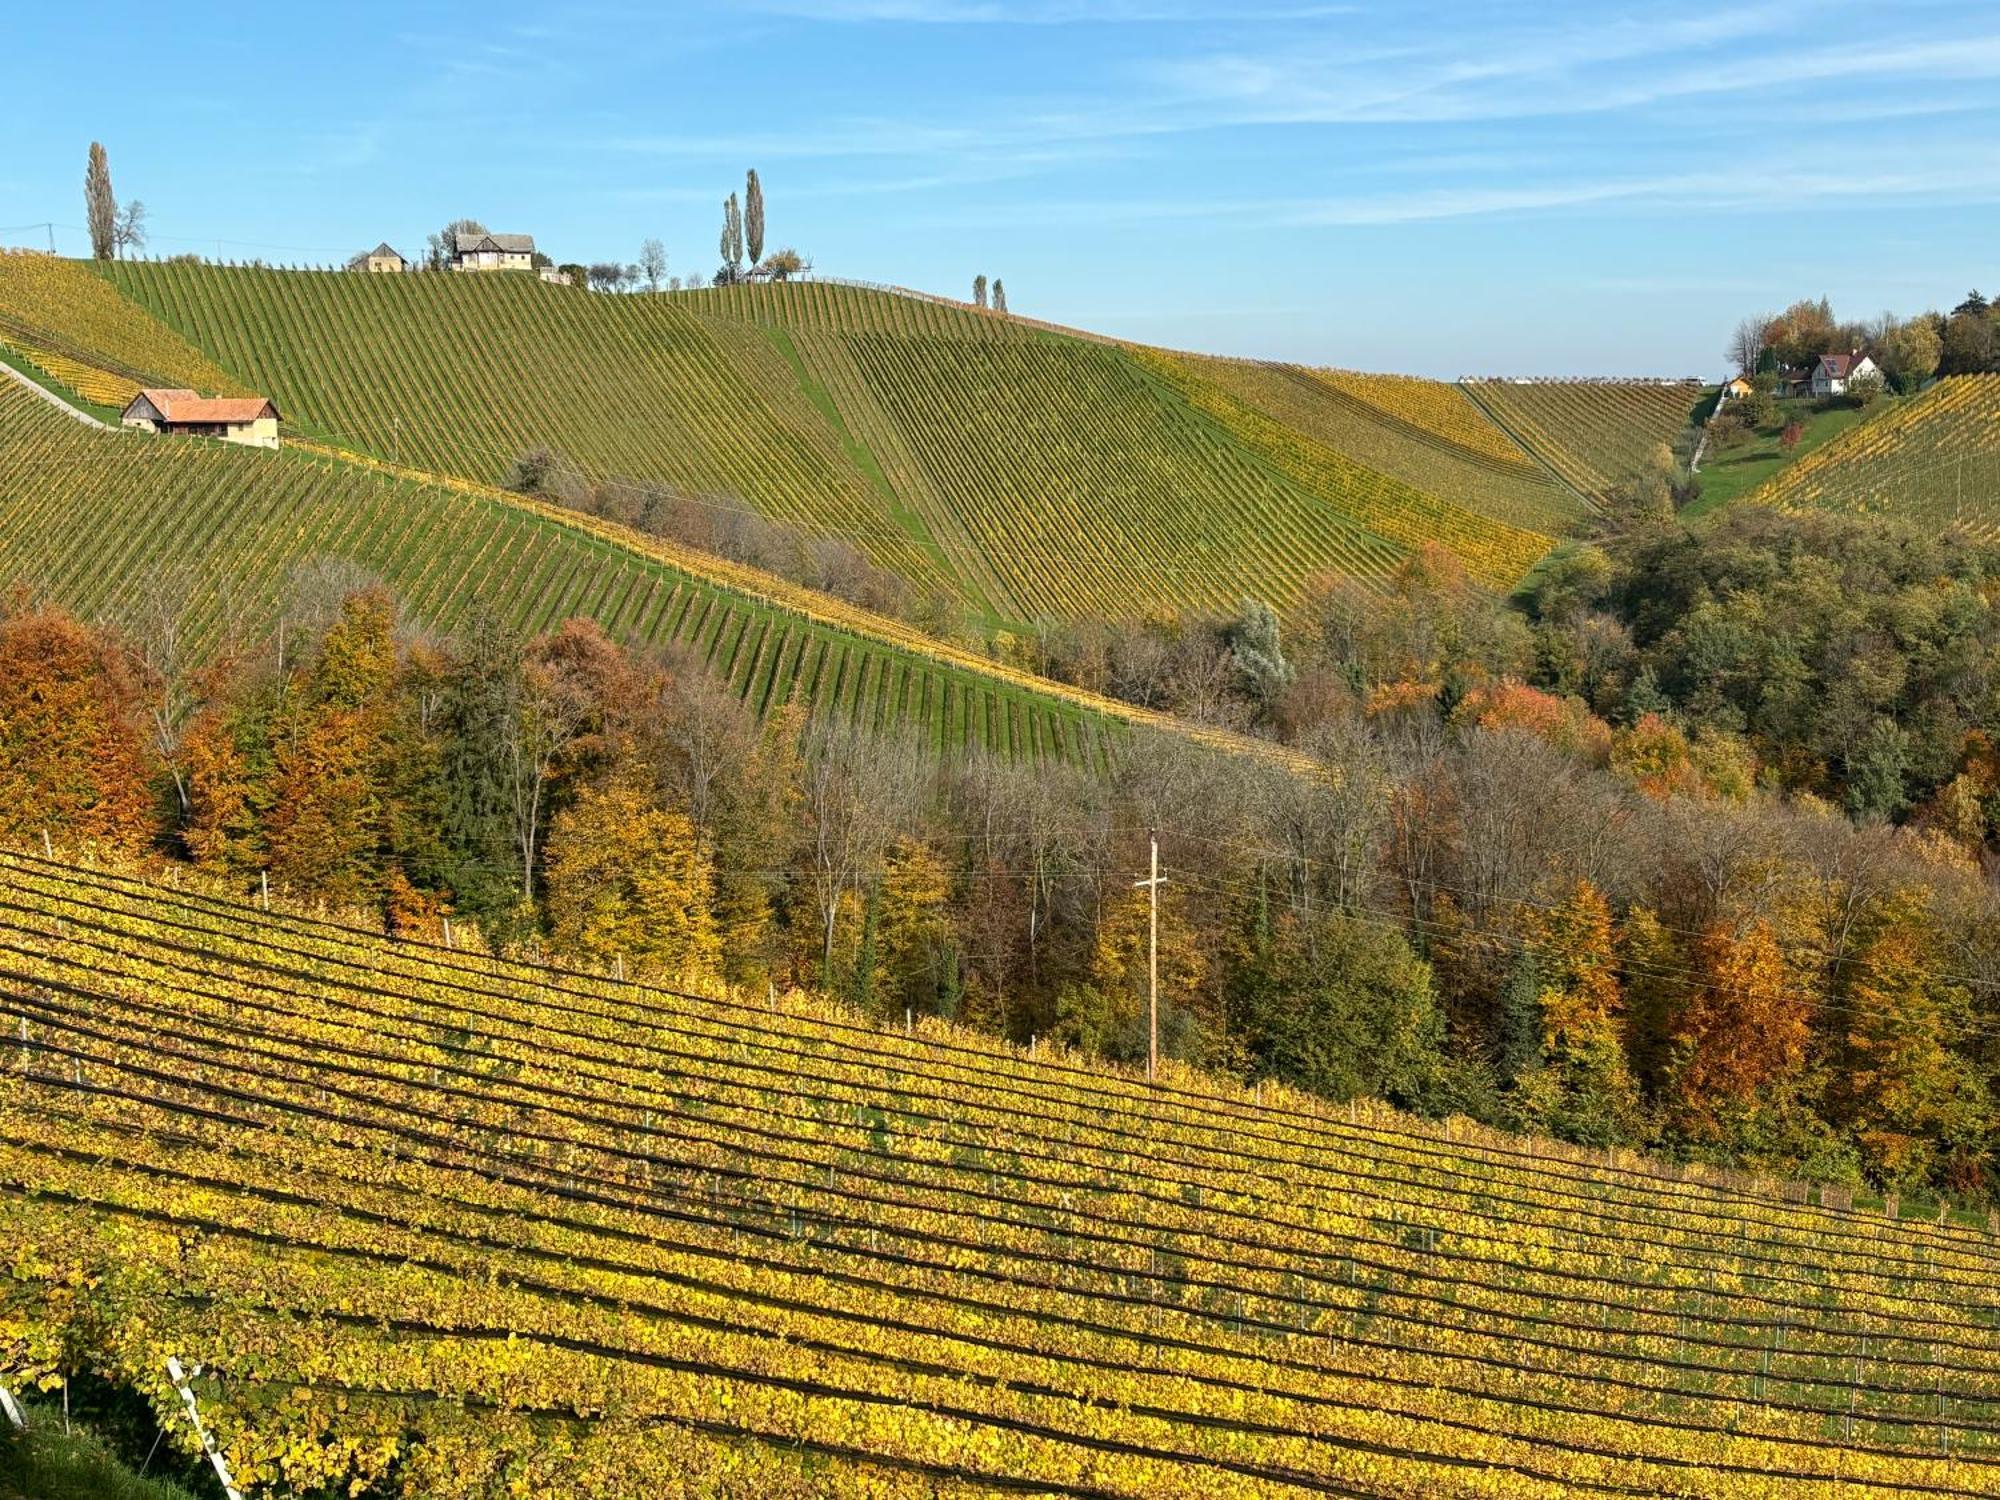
[1738, 1030]
[328, 823]
[1585, 1091]
[1109, 1014]
[1912, 1101]
[915, 954]
[73, 759]
[627, 882]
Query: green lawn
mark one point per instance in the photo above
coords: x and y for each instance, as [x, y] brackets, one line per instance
[1730, 475]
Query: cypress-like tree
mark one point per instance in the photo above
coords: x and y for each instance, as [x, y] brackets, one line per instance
[979, 290]
[732, 236]
[753, 217]
[999, 295]
[99, 206]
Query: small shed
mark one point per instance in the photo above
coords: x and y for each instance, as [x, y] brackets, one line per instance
[1737, 389]
[249, 420]
[384, 258]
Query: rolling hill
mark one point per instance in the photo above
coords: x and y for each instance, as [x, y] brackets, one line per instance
[1025, 472]
[432, 1223]
[90, 518]
[1933, 460]
[1594, 434]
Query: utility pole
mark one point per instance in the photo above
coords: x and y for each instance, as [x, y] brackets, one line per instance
[1152, 884]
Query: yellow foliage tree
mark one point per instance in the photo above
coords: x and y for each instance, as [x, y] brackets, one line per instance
[627, 881]
[1118, 974]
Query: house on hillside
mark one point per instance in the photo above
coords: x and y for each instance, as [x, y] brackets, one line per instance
[1835, 372]
[493, 252]
[553, 276]
[1737, 389]
[384, 258]
[249, 420]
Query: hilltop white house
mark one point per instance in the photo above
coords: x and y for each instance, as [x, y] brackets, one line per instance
[249, 420]
[1835, 372]
[493, 252]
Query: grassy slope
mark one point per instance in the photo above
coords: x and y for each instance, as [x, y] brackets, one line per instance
[1049, 1251]
[1729, 476]
[1933, 459]
[85, 517]
[1025, 471]
[46, 1463]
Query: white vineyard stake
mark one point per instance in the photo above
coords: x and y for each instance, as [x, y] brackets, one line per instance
[12, 1409]
[215, 1458]
[48, 849]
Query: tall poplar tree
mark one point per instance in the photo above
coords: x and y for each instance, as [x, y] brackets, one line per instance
[99, 206]
[732, 236]
[753, 217]
[979, 290]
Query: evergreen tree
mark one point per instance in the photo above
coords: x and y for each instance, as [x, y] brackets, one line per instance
[753, 218]
[100, 208]
[979, 290]
[479, 698]
[999, 295]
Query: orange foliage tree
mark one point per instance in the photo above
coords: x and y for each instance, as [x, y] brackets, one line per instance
[73, 760]
[1739, 1027]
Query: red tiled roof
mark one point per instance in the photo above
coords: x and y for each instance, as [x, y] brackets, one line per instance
[186, 406]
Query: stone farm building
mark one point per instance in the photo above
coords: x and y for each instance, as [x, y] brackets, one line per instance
[249, 420]
[493, 252]
[384, 258]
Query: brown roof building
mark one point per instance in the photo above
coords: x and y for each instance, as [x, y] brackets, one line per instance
[249, 420]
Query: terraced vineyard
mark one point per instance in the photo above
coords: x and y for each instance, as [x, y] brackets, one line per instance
[67, 320]
[86, 517]
[1594, 433]
[436, 1224]
[1933, 460]
[1026, 472]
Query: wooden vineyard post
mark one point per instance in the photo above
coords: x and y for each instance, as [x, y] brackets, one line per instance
[215, 1458]
[1151, 885]
[264, 887]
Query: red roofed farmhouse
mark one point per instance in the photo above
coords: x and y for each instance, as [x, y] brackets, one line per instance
[250, 420]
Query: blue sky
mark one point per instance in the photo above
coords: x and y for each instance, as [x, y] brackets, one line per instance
[1436, 188]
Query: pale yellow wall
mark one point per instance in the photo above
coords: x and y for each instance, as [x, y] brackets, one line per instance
[383, 263]
[262, 433]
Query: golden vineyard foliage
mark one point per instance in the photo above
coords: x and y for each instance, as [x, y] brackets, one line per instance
[452, 1225]
[1933, 460]
[1596, 434]
[68, 319]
